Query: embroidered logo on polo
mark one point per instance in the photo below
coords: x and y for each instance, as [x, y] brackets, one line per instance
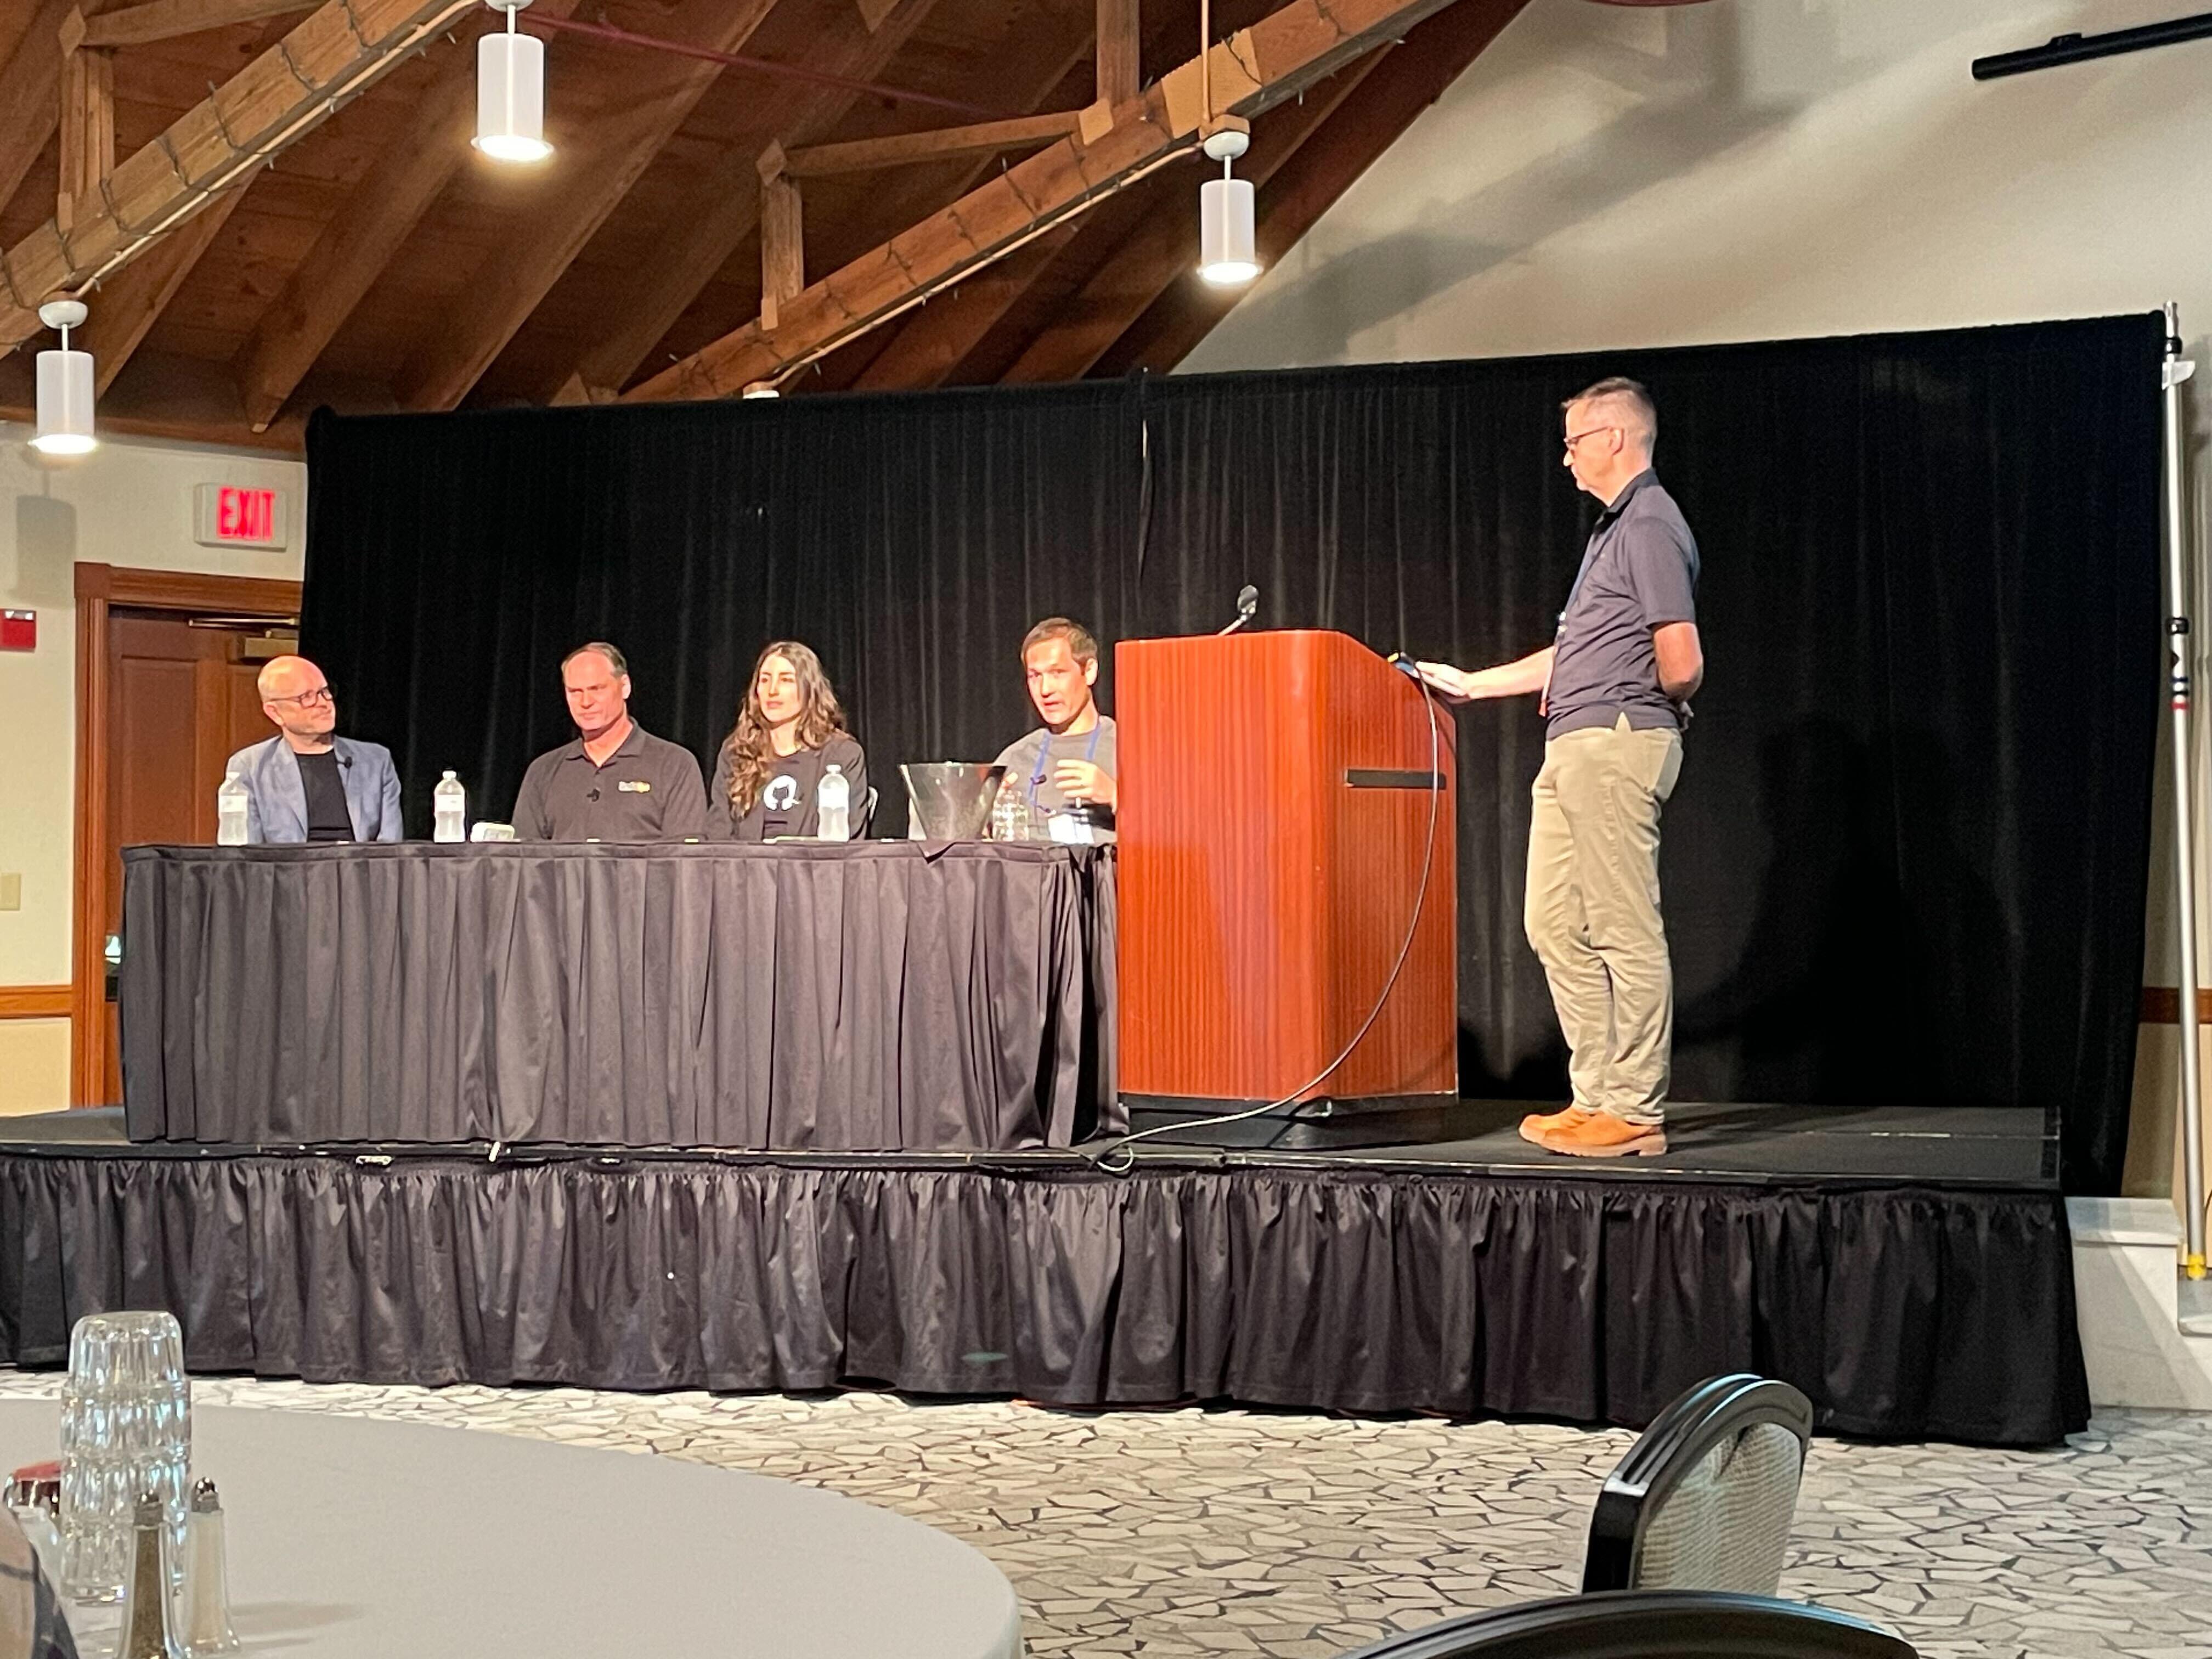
[782, 794]
[635, 786]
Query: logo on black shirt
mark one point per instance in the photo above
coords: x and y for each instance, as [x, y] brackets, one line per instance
[782, 794]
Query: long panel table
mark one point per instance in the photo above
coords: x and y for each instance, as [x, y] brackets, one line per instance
[867, 995]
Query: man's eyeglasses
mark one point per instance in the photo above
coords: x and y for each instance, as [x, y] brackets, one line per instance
[313, 699]
[1574, 438]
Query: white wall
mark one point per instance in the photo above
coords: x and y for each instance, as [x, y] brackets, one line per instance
[1757, 169]
[128, 503]
[1764, 169]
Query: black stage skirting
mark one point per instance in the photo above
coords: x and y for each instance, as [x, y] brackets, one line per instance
[874, 994]
[1903, 1310]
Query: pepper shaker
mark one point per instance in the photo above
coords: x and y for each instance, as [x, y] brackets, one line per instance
[147, 1631]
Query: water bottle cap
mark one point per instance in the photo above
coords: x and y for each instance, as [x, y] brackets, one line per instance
[449, 777]
[833, 766]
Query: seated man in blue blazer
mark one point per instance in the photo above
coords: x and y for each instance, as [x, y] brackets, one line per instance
[304, 784]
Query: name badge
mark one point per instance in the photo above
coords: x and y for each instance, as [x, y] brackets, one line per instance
[638, 787]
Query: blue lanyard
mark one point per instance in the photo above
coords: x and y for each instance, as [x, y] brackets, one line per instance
[1044, 757]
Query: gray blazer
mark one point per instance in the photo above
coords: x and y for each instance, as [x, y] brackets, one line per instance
[276, 801]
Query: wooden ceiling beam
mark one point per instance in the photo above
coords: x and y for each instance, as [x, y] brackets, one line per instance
[30, 96]
[359, 241]
[1119, 54]
[276, 99]
[693, 253]
[581, 189]
[1296, 46]
[120, 316]
[1164, 250]
[783, 235]
[87, 129]
[933, 343]
[164, 20]
[934, 346]
[1308, 182]
[906, 149]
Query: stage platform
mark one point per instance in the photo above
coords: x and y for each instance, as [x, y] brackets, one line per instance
[1909, 1268]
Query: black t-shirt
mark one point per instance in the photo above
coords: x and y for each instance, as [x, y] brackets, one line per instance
[786, 803]
[328, 817]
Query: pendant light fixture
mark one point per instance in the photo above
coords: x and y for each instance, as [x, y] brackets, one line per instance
[1228, 242]
[1228, 246]
[65, 387]
[511, 92]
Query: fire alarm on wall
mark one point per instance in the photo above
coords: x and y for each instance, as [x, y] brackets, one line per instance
[19, 630]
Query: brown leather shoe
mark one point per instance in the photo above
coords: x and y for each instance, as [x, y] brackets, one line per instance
[1534, 1126]
[1603, 1135]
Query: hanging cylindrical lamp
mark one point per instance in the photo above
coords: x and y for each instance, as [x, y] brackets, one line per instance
[66, 388]
[1228, 243]
[511, 92]
[1228, 240]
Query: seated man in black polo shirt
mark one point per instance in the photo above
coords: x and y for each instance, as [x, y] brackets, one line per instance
[616, 782]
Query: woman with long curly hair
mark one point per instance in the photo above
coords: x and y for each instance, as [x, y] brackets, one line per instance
[789, 732]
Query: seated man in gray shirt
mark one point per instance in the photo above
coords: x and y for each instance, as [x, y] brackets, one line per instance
[1064, 771]
[616, 782]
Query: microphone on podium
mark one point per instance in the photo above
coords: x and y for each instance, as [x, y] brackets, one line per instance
[1247, 602]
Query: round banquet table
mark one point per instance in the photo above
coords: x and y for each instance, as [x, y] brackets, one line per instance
[356, 1536]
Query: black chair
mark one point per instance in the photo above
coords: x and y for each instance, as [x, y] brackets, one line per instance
[1703, 1499]
[1647, 1625]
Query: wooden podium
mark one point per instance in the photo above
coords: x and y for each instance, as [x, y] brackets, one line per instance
[1275, 804]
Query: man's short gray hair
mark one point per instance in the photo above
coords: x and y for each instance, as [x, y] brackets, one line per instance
[614, 657]
[1627, 398]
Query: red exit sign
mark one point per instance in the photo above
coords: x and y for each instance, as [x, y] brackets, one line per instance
[231, 515]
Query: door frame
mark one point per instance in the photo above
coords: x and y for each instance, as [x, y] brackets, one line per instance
[100, 589]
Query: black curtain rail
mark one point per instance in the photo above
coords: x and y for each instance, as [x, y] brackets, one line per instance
[2082, 48]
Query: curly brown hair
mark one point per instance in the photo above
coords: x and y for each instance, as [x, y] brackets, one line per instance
[752, 755]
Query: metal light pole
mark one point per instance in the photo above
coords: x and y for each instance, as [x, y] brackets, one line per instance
[2176, 370]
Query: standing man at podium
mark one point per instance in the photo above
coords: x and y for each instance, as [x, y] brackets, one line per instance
[1616, 684]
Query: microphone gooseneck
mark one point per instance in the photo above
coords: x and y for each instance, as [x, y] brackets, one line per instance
[1247, 605]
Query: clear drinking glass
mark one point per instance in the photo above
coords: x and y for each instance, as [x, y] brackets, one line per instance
[1011, 819]
[126, 1429]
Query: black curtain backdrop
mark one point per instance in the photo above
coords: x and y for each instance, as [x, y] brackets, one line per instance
[1907, 861]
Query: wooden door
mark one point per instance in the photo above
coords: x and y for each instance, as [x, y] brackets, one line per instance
[181, 702]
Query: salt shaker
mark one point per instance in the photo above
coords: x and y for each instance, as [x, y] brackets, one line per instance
[207, 1586]
[147, 1632]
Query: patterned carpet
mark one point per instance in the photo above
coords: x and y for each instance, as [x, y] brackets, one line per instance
[1198, 1532]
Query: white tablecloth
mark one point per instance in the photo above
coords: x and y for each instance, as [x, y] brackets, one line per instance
[352, 1536]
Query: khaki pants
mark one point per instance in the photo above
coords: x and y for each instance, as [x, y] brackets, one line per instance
[1593, 911]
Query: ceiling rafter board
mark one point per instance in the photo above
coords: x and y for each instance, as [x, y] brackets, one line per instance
[269, 103]
[1299, 43]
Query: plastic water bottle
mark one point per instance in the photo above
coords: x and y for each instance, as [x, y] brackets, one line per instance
[230, 813]
[833, 806]
[450, 809]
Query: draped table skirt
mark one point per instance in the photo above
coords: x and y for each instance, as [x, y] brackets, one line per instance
[866, 995]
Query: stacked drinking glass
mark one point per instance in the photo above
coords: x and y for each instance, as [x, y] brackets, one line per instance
[126, 1430]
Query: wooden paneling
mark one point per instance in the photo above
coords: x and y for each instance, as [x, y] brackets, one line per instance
[35, 1001]
[1263, 899]
[1294, 47]
[105, 763]
[2161, 1006]
[379, 250]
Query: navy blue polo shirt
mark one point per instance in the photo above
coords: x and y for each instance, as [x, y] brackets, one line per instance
[1638, 572]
